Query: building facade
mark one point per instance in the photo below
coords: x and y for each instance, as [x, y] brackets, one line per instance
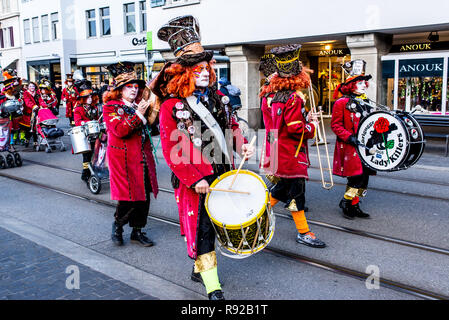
[330, 33]
[61, 36]
[10, 35]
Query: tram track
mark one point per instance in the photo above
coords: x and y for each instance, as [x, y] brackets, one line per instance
[387, 283]
[323, 224]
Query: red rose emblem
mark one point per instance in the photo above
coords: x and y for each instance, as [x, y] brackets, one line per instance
[381, 125]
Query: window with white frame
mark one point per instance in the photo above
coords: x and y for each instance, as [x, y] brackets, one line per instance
[36, 34]
[105, 21]
[54, 25]
[143, 16]
[26, 31]
[179, 3]
[6, 6]
[45, 28]
[130, 17]
[156, 3]
[91, 23]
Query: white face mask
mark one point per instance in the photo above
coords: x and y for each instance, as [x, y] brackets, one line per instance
[201, 71]
[361, 87]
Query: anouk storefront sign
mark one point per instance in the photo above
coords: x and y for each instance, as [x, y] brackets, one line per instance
[420, 67]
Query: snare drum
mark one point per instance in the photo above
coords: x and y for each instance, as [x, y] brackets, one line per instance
[244, 223]
[92, 128]
[390, 140]
[80, 142]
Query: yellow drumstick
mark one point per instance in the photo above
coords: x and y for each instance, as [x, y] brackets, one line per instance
[226, 190]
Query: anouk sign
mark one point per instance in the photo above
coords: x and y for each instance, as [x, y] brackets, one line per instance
[421, 67]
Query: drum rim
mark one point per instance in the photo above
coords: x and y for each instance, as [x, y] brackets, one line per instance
[248, 223]
[395, 115]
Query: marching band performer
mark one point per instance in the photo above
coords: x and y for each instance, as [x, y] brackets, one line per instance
[48, 100]
[190, 105]
[346, 116]
[12, 90]
[86, 110]
[289, 126]
[132, 168]
[69, 96]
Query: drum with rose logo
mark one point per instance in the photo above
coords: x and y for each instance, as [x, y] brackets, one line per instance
[390, 140]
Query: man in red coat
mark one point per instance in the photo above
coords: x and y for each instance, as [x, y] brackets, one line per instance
[69, 96]
[132, 169]
[347, 113]
[289, 126]
[190, 107]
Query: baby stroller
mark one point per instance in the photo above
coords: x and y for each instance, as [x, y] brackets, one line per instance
[98, 165]
[9, 157]
[47, 134]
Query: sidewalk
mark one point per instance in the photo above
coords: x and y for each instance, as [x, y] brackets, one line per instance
[29, 271]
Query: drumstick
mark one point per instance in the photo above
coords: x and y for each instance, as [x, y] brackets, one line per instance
[241, 164]
[227, 190]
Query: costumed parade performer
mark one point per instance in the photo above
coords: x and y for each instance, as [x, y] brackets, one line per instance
[12, 91]
[347, 113]
[132, 167]
[69, 96]
[31, 99]
[86, 110]
[190, 106]
[289, 126]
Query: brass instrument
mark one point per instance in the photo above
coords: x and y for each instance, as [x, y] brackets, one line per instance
[321, 134]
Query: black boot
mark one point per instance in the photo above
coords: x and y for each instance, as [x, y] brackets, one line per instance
[196, 276]
[85, 175]
[138, 236]
[117, 236]
[359, 213]
[348, 209]
[216, 295]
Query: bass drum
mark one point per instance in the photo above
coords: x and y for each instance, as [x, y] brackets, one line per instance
[390, 140]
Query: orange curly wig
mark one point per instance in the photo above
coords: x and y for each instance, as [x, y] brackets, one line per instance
[297, 82]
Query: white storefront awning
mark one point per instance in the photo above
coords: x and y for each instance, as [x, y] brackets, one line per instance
[103, 61]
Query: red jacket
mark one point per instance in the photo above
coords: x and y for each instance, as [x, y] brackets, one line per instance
[80, 115]
[286, 128]
[188, 164]
[70, 94]
[345, 123]
[29, 102]
[126, 154]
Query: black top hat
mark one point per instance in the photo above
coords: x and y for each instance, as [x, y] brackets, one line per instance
[123, 73]
[287, 60]
[183, 36]
[267, 64]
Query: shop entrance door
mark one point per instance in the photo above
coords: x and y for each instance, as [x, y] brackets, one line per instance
[330, 75]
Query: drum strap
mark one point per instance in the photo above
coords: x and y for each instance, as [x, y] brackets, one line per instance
[210, 122]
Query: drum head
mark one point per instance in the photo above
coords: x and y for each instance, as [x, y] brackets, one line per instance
[235, 209]
[385, 139]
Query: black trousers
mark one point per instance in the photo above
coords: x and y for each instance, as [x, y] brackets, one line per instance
[133, 212]
[360, 181]
[205, 232]
[288, 189]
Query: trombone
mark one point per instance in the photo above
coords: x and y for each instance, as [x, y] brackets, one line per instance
[320, 132]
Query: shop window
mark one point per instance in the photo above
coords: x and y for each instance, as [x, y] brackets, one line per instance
[387, 84]
[420, 83]
[130, 17]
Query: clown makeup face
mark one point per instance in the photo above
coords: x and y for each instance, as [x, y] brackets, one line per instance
[4, 135]
[201, 72]
[361, 87]
[129, 91]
